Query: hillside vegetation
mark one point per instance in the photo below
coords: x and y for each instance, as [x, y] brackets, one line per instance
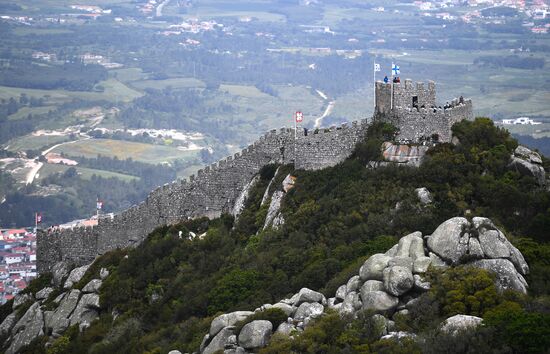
[163, 294]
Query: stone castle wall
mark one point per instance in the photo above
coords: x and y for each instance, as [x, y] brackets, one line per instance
[211, 192]
[216, 188]
[414, 111]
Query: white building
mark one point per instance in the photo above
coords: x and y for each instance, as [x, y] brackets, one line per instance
[520, 120]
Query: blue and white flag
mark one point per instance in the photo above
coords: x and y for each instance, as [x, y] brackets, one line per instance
[394, 69]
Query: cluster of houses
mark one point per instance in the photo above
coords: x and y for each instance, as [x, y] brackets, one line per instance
[520, 120]
[17, 261]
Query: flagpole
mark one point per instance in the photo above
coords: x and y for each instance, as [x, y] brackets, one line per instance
[391, 99]
[374, 83]
[295, 126]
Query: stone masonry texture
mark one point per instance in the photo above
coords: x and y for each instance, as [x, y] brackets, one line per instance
[215, 189]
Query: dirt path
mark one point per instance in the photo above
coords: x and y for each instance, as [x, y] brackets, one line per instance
[34, 171]
[327, 112]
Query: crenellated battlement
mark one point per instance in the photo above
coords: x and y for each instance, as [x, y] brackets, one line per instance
[413, 109]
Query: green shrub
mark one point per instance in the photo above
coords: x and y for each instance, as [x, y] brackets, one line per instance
[42, 281]
[525, 332]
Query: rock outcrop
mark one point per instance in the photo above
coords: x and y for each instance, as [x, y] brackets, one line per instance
[71, 307]
[529, 163]
[387, 284]
[458, 323]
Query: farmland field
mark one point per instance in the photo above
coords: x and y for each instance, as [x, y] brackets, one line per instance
[153, 154]
[83, 172]
[35, 142]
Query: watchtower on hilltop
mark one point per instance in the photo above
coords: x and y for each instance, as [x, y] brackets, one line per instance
[412, 108]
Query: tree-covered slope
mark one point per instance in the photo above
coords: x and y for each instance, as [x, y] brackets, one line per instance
[163, 294]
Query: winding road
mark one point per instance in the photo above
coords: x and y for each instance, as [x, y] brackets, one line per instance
[327, 111]
[31, 175]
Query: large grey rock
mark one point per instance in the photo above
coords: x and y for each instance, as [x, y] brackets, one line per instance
[75, 276]
[286, 328]
[398, 280]
[60, 318]
[341, 292]
[404, 245]
[353, 284]
[174, 352]
[392, 252]
[87, 303]
[379, 301]
[527, 154]
[457, 323]
[372, 285]
[333, 303]
[495, 245]
[406, 262]
[228, 319]
[507, 277]
[423, 195]
[286, 308]
[450, 240]
[474, 248]
[255, 334]
[27, 328]
[528, 163]
[307, 309]
[308, 295]
[236, 350]
[352, 303]
[421, 264]
[218, 342]
[20, 299]
[243, 196]
[93, 286]
[373, 267]
[398, 336]
[204, 343]
[44, 293]
[436, 261]
[8, 323]
[60, 271]
[59, 298]
[274, 207]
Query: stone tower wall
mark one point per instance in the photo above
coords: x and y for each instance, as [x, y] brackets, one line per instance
[420, 118]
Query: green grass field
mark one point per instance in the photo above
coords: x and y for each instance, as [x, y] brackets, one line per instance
[83, 172]
[174, 83]
[114, 91]
[153, 154]
[243, 91]
[24, 112]
[35, 142]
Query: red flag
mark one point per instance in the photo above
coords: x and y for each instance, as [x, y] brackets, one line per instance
[299, 117]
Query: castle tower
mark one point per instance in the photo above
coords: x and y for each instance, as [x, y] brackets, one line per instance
[412, 108]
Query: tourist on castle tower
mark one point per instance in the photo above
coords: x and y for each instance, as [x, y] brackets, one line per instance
[386, 79]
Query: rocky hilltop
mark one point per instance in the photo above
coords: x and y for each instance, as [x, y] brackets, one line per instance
[442, 250]
[388, 284]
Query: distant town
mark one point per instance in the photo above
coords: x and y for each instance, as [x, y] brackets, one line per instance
[17, 261]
